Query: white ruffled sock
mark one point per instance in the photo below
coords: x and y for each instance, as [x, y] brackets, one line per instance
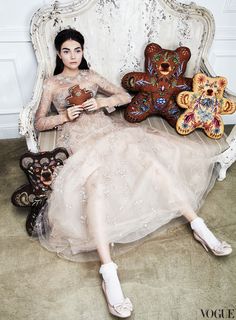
[202, 230]
[112, 283]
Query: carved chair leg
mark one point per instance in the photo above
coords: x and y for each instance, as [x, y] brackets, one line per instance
[222, 172]
[226, 159]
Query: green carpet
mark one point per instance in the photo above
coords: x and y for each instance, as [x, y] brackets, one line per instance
[168, 277]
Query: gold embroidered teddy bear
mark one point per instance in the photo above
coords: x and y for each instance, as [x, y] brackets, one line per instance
[204, 105]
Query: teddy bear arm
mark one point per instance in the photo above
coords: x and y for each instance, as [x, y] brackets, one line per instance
[228, 106]
[134, 81]
[183, 84]
[23, 196]
[184, 99]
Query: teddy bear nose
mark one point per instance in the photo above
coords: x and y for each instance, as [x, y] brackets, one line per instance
[209, 92]
[165, 66]
[46, 175]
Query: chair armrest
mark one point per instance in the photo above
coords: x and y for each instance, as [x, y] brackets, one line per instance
[27, 115]
[228, 157]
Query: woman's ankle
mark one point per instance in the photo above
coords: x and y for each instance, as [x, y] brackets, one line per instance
[198, 225]
[112, 283]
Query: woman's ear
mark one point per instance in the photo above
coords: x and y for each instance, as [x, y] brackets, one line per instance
[58, 54]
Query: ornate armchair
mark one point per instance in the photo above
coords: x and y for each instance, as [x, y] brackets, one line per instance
[116, 33]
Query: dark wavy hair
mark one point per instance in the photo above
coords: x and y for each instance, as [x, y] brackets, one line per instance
[61, 37]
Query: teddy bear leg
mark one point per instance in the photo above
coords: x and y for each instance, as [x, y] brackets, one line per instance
[32, 217]
[139, 108]
[171, 113]
[215, 129]
[185, 123]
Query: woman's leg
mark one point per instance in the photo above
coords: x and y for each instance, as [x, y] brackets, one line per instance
[205, 236]
[190, 215]
[96, 220]
[98, 229]
[104, 252]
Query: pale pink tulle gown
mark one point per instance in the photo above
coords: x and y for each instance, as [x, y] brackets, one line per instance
[122, 181]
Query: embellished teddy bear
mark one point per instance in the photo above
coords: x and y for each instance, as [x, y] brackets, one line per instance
[39, 169]
[204, 106]
[156, 88]
[78, 96]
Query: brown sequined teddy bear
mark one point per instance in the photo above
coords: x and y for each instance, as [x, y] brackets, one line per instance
[156, 88]
[78, 96]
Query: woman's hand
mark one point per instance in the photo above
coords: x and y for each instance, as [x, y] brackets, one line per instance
[74, 112]
[91, 105]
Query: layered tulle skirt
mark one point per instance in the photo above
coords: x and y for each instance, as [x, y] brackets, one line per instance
[121, 184]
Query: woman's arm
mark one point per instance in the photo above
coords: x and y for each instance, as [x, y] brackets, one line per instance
[42, 121]
[117, 96]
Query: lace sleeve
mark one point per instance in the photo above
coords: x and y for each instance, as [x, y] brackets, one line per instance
[42, 120]
[117, 96]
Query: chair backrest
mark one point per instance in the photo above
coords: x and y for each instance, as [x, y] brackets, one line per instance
[116, 33]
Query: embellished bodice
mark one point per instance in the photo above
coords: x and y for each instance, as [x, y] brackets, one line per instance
[55, 91]
[64, 83]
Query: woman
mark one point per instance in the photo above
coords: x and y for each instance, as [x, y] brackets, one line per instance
[121, 182]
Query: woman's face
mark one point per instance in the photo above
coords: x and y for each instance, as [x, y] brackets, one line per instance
[71, 54]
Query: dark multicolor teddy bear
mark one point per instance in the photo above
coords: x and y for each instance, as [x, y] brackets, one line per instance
[39, 169]
[204, 106]
[158, 86]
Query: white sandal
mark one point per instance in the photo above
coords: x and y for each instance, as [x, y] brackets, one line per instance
[122, 310]
[223, 249]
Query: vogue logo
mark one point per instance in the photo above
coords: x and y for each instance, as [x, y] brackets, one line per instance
[218, 313]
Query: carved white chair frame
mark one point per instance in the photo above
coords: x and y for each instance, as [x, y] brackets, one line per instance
[116, 33]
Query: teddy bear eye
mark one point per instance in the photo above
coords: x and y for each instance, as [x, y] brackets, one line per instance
[175, 60]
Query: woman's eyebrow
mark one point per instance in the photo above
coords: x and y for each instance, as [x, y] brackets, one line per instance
[69, 49]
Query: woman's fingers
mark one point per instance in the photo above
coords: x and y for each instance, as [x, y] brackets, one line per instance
[89, 102]
[90, 105]
[77, 108]
[89, 108]
[74, 112]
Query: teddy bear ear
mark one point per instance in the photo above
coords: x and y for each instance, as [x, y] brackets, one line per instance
[201, 77]
[198, 80]
[152, 47]
[184, 52]
[61, 153]
[26, 161]
[222, 83]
